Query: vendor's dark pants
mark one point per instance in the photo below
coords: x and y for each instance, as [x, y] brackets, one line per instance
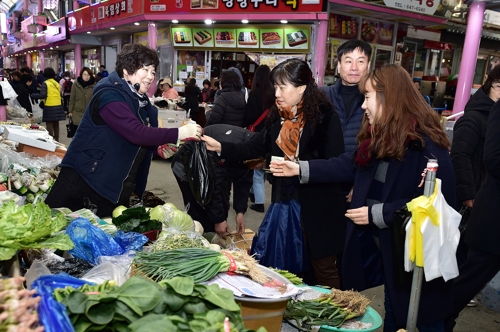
[72, 192]
[479, 268]
[241, 179]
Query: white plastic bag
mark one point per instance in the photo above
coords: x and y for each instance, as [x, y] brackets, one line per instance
[36, 110]
[7, 90]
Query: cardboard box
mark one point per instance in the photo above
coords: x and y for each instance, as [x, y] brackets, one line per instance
[171, 118]
[40, 152]
[242, 242]
[32, 138]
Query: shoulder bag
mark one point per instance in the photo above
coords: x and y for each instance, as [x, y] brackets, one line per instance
[258, 121]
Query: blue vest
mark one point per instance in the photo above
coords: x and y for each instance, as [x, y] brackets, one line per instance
[101, 156]
[350, 124]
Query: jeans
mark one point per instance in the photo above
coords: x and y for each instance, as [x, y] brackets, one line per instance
[390, 325]
[258, 186]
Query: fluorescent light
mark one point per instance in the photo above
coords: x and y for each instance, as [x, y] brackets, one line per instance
[137, 23]
[244, 21]
[284, 21]
[89, 32]
[175, 21]
[208, 21]
[112, 28]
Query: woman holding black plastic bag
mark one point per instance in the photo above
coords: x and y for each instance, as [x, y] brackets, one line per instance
[301, 126]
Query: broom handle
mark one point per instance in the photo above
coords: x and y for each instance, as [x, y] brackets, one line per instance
[418, 272]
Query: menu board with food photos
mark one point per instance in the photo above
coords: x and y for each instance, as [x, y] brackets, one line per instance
[271, 38]
[203, 37]
[296, 38]
[345, 27]
[292, 38]
[204, 4]
[182, 37]
[376, 32]
[247, 38]
[225, 37]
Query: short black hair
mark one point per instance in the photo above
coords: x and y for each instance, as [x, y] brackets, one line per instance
[49, 72]
[25, 78]
[26, 70]
[230, 80]
[207, 82]
[217, 84]
[133, 57]
[493, 77]
[351, 45]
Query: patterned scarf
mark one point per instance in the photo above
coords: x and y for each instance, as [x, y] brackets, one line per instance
[292, 124]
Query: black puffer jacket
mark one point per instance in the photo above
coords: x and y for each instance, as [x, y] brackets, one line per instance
[467, 147]
[229, 108]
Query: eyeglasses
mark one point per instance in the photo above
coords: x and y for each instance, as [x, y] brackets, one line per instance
[496, 86]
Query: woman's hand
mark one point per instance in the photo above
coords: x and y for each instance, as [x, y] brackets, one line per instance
[212, 144]
[284, 168]
[469, 203]
[70, 115]
[358, 216]
[190, 131]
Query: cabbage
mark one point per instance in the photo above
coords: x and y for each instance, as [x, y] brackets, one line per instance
[162, 212]
[181, 221]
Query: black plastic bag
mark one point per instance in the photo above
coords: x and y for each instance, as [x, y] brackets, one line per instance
[400, 219]
[200, 171]
[71, 128]
[465, 212]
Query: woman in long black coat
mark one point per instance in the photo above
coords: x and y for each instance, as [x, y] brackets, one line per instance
[319, 137]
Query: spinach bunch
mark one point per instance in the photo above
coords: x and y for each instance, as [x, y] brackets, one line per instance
[136, 220]
[177, 304]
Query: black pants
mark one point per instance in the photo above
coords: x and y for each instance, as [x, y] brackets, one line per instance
[66, 103]
[241, 179]
[479, 268]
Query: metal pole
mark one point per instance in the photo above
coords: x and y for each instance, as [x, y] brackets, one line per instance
[418, 272]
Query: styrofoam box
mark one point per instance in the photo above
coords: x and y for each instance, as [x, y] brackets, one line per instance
[29, 137]
[172, 119]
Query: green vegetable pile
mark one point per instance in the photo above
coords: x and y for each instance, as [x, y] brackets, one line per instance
[177, 240]
[289, 275]
[136, 220]
[330, 309]
[141, 305]
[31, 226]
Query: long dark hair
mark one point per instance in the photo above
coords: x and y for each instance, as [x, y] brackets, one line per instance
[401, 119]
[298, 73]
[262, 85]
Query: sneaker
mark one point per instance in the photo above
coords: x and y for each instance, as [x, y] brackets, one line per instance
[472, 303]
[252, 197]
[257, 207]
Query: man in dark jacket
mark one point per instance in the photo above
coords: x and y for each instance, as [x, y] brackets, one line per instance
[213, 216]
[354, 63]
[22, 90]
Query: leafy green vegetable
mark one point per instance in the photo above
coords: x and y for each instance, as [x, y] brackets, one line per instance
[136, 220]
[30, 226]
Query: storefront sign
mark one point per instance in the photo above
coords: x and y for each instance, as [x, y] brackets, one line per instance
[56, 31]
[103, 12]
[437, 45]
[377, 32]
[163, 37]
[443, 8]
[289, 38]
[232, 6]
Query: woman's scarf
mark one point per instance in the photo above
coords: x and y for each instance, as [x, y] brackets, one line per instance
[143, 98]
[292, 124]
[84, 83]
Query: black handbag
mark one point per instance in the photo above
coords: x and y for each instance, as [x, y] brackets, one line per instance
[71, 128]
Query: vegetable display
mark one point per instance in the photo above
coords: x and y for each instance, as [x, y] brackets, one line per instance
[172, 217]
[329, 309]
[18, 307]
[201, 264]
[289, 275]
[177, 240]
[31, 226]
[137, 220]
[142, 305]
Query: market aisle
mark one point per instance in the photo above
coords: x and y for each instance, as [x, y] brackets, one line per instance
[162, 183]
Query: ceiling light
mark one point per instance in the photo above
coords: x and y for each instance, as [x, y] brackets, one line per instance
[137, 23]
[284, 21]
[208, 21]
[112, 28]
[89, 32]
[51, 48]
[57, 46]
[175, 21]
[244, 21]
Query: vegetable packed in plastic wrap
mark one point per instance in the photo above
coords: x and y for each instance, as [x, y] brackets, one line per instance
[171, 238]
[171, 217]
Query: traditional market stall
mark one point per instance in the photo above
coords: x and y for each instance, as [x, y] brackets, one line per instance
[146, 267]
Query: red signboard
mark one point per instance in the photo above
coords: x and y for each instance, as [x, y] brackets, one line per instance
[231, 6]
[437, 45]
[111, 10]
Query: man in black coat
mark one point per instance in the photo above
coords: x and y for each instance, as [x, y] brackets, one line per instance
[483, 228]
[22, 90]
[213, 216]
